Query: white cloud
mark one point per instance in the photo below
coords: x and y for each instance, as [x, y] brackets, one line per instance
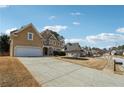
[76, 23]
[56, 28]
[9, 30]
[52, 17]
[104, 37]
[120, 30]
[73, 40]
[75, 13]
[109, 46]
[3, 6]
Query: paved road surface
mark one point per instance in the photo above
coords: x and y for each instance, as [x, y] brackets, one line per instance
[52, 72]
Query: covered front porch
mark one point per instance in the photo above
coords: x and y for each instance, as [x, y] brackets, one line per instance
[48, 51]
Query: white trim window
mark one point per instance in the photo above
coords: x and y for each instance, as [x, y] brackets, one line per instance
[30, 36]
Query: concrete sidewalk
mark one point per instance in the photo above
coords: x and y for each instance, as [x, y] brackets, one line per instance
[52, 72]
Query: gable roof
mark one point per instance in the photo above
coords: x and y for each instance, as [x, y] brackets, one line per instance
[57, 35]
[54, 34]
[48, 36]
[24, 27]
[72, 47]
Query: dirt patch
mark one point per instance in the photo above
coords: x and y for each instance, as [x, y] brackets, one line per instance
[14, 74]
[96, 63]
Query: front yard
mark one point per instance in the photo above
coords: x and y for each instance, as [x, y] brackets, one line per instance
[96, 63]
[14, 74]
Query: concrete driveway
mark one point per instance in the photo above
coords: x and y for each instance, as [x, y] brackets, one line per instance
[52, 72]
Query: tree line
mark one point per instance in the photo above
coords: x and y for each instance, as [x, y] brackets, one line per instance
[4, 43]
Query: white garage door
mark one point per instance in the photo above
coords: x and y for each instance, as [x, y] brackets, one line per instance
[28, 51]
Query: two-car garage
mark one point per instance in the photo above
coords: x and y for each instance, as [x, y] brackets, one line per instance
[26, 51]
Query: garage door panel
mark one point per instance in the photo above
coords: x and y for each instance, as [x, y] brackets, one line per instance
[28, 51]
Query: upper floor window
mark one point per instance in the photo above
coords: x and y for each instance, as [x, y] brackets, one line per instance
[54, 42]
[50, 42]
[30, 36]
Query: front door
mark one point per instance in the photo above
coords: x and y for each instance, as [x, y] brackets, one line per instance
[45, 51]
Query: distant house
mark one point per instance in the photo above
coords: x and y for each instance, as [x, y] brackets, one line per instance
[73, 50]
[97, 52]
[117, 52]
[84, 52]
[113, 52]
[123, 52]
[120, 52]
[90, 52]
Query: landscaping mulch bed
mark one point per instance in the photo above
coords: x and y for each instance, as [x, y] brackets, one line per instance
[75, 58]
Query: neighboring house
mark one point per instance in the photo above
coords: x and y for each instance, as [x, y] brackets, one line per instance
[123, 52]
[97, 52]
[90, 52]
[27, 41]
[113, 52]
[73, 50]
[119, 52]
[84, 52]
[52, 41]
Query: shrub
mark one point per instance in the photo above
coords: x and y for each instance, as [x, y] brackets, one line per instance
[58, 53]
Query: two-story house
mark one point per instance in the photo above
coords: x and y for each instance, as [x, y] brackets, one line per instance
[73, 50]
[52, 41]
[27, 41]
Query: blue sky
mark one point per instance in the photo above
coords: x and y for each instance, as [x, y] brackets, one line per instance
[95, 26]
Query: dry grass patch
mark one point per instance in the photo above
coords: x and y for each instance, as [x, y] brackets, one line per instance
[14, 74]
[95, 63]
[119, 69]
